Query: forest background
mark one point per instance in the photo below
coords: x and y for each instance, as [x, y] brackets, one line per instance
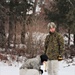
[23, 25]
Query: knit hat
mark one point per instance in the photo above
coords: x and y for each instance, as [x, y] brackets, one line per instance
[51, 25]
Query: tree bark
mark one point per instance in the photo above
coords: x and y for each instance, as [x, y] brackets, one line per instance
[68, 37]
[11, 25]
[34, 8]
[74, 39]
[23, 33]
[2, 34]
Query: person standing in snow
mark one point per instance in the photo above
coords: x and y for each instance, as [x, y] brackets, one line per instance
[54, 47]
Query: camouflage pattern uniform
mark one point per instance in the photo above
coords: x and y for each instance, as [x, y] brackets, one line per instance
[52, 43]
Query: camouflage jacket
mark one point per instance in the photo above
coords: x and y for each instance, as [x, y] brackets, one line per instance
[54, 44]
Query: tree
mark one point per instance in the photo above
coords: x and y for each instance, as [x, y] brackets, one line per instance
[62, 12]
[2, 25]
[2, 33]
[70, 18]
[57, 11]
[24, 6]
[17, 11]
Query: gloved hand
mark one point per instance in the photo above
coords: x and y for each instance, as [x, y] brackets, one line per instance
[60, 58]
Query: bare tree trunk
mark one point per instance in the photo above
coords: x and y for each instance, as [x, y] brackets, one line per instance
[10, 37]
[2, 34]
[11, 25]
[57, 27]
[15, 34]
[69, 37]
[23, 33]
[74, 39]
[34, 8]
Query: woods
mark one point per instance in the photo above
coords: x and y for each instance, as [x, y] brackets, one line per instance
[19, 19]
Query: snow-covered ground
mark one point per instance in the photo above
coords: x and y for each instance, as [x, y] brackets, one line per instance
[64, 68]
[9, 70]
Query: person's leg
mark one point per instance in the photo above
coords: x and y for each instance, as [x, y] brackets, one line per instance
[49, 67]
[53, 67]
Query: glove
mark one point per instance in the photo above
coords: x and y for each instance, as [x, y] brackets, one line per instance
[60, 58]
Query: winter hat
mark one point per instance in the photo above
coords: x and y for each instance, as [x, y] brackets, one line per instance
[51, 25]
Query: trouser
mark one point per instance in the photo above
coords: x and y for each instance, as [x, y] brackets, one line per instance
[53, 67]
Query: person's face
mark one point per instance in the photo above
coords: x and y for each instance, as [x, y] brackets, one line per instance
[52, 30]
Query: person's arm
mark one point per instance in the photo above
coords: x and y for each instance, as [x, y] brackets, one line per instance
[46, 43]
[61, 44]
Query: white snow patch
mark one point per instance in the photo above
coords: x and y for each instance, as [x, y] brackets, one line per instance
[9, 70]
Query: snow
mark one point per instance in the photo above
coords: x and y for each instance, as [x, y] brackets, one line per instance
[64, 69]
[67, 37]
[9, 70]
